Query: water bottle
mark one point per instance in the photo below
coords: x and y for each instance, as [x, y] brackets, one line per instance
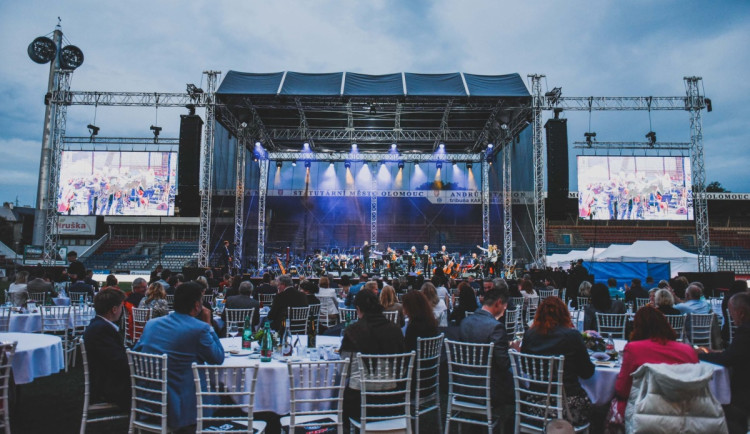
[266, 343]
[80, 300]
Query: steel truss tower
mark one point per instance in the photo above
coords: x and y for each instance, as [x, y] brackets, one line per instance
[204, 234]
[59, 111]
[695, 103]
[239, 203]
[507, 205]
[537, 104]
[262, 188]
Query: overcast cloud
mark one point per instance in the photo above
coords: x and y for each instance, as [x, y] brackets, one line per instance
[603, 48]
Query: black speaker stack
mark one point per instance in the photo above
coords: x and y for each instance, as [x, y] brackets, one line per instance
[188, 166]
[558, 204]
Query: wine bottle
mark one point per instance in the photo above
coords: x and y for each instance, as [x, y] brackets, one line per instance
[312, 331]
[610, 348]
[286, 341]
[266, 343]
[247, 334]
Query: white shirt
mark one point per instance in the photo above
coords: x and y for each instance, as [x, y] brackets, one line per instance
[17, 287]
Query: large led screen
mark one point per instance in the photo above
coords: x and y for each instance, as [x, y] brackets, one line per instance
[117, 183]
[634, 188]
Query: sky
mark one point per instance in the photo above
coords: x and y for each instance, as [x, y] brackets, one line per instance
[603, 48]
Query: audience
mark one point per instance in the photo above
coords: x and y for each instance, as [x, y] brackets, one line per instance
[109, 373]
[328, 303]
[18, 291]
[138, 291]
[77, 273]
[422, 323]
[735, 357]
[635, 291]
[390, 303]
[615, 293]
[552, 334]
[309, 288]
[652, 341]
[584, 289]
[467, 302]
[288, 296]
[154, 299]
[243, 300]
[736, 287]
[186, 336]
[693, 302]
[664, 302]
[263, 288]
[527, 291]
[602, 303]
[354, 289]
[439, 309]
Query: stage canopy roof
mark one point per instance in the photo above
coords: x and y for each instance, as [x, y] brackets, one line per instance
[331, 111]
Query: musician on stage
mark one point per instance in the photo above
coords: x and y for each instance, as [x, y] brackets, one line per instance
[366, 248]
[411, 265]
[476, 264]
[226, 256]
[490, 263]
[425, 256]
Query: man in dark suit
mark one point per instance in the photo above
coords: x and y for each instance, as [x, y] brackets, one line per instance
[366, 249]
[265, 287]
[108, 363]
[483, 328]
[243, 301]
[288, 296]
[736, 357]
[77, 273]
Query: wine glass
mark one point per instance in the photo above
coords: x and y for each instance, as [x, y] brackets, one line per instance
[233, 330]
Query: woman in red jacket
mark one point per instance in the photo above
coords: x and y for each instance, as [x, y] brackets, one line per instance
[652, 341]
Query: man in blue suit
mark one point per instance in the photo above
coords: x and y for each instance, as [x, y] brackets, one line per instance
[108, 363]
[186, 336]
[483, 327]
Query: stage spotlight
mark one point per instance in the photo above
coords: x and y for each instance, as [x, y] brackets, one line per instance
[442, 146]
[416, 164]
[490, 146]
[93, 130]
[306, 147]
[382, 163]
[439, 164]
[331, 164]
[294, 164]
[307, 164]
[651, 136]
[400, 164]
[709, 106]
[257, 144]
[156, 131]
[354, 147]
[590, 137]
[393, 147]
[373, 110]
[348, 164]
[468, 166]
[553, 96]
[191, 109]
[278, 164]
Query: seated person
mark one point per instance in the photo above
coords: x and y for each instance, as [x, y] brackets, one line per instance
[664, 302]
[17, 291]
[156, 300]
[186, 336]
[287, 297]
[242, 301]
[467, 302]
[735, 357]
[600, 302]
[108, 363]
[422, 323]
[552, 334]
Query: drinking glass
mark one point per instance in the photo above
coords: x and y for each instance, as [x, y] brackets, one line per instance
[233, 330]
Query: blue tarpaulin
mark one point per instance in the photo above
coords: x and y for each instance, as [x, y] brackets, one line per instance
[354, 84]
[625, 272]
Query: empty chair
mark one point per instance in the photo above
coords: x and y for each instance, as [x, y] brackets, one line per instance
[266, 300]
[100, 411]
[317, 394]
[81, 315]
[5, 312]
[612, 324]
[140, 318]
[385, 382]
[540, 396]
[148, 379]
[392, 315]
[699, 328]
[469, 376]
[221, 393]
[55, 319]
[296, 319]
[7, 352]
[533, 304]
[678, 324]
[427, 378]
[237, 317]
[640, 302]
[347, 315]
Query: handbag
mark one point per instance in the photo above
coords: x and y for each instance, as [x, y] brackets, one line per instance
[614, 423]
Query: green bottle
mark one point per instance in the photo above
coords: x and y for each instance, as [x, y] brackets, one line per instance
[247, 334]
[266, 343]
[312, 331]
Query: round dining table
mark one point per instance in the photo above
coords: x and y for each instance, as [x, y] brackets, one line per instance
[36, 355]
[30, 322]
[601, 386]
[272, 387]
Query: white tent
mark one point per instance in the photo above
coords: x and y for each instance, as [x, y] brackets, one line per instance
[655, 251]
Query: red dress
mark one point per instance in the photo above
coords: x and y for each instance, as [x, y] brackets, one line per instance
[637, 353]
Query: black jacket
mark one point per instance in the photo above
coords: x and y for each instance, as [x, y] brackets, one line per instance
[108, 363]
[566, 342]
[736, 358]
[291, 297]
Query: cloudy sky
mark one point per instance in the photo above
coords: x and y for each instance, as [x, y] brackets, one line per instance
[602, 48]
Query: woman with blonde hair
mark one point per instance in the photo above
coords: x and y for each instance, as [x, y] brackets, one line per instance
[439, 309]
[390, 303]
[156, 300]
[664, 302]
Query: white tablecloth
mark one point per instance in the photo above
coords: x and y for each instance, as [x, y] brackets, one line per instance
[32, 322]
[601, 386]
[272, 388]
[36, 356]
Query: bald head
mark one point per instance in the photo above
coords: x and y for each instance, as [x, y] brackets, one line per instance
[693, 292]
[739, 308]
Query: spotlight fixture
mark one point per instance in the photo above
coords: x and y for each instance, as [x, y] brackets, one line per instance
[709, 106]
[468, 166]
[442, 146]
[307, 164]
[191, 109]
[306, 146]
[439, 164]
[455, 163]
[243, 125]
[382, 162]
[93, 130]
[651, 136]
[156, 131]
[257, 144]
[278, 164]
[400, 164]
[194, 91]
[504, 127]
[553, 96]
[348, 164]
[590, 137]
[294, 164]
[490, 146]
[354, 147]
[331, 164]
[393, 146]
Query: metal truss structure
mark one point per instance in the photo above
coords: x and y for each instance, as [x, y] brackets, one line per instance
[136, 99]
[661, 146]
[485, 203]
[207, 157]
[239, 203]
[374, 210]
[96, 143]
[540, 241]
[507, 205]
[374, 157]
[695, 102]
[262, 189]
[59, 113]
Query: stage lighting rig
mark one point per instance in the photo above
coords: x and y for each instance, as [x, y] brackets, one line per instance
[307, 164]
[590, 137]
[348, 164]
[93, 130]
[194, 91]
[400, 164]
[553, 96]
[439, 164]
[156, 130]
[709, 106]
[191, 109]
[651, 136]
[279, 164]
[468, 166]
